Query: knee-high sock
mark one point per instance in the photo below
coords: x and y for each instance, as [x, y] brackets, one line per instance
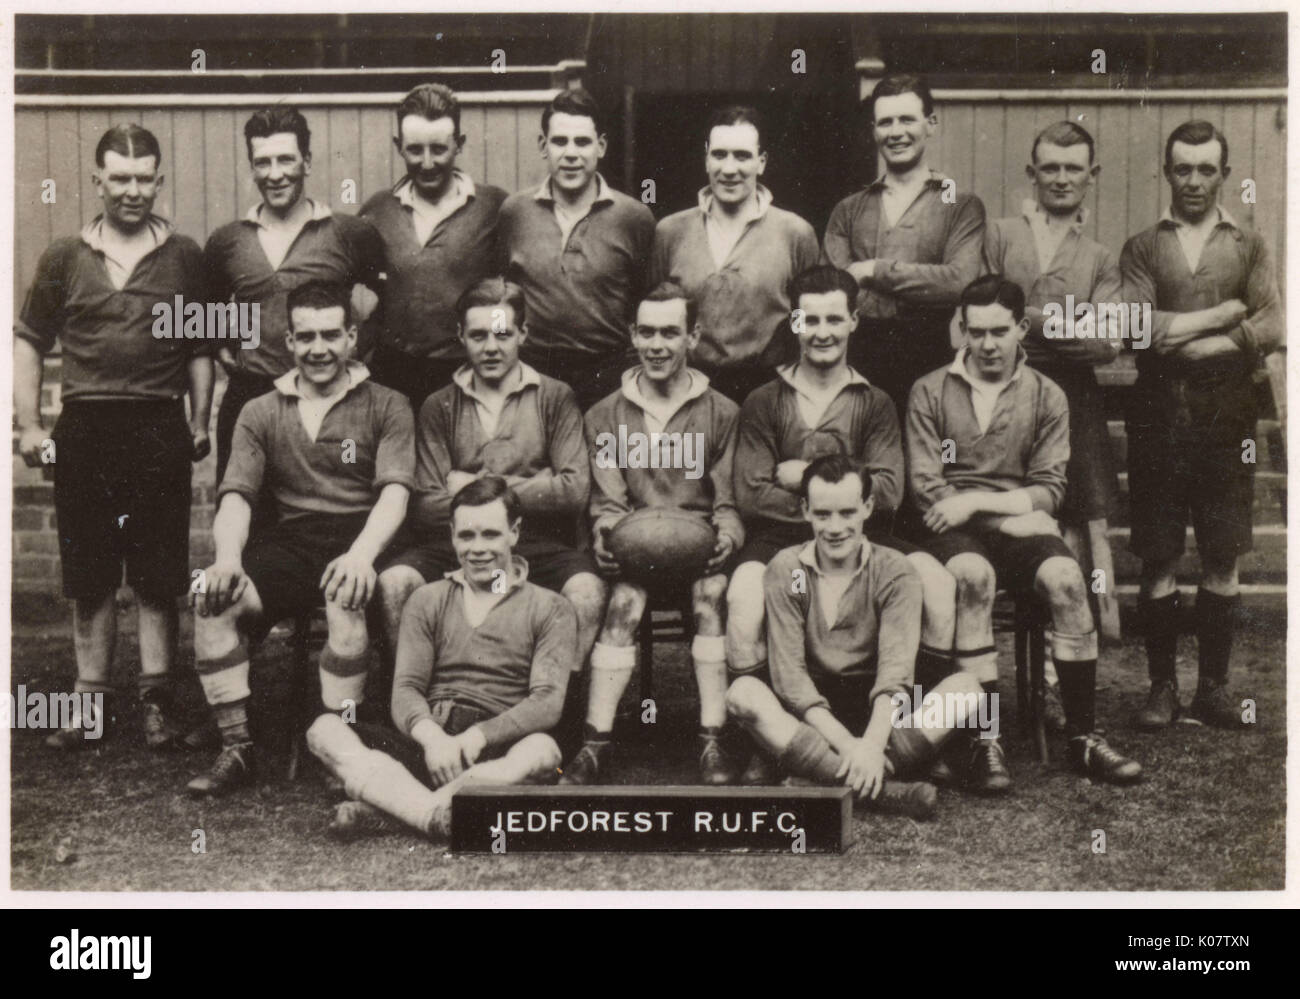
[908, 751]
[1216, 620]
[1076, 665]
[1159, 622]
[225, 685]
[611, 668]
[810, 755]
[710, 660]
[342, 678]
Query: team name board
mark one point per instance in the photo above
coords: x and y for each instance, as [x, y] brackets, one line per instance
[651, 820]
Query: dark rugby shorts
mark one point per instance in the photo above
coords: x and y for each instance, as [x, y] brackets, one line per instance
[122, 493]
[1185, 449]
[285, 562]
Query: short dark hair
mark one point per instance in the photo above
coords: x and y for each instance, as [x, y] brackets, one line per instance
[834, 468]
[821, 280]
[1063, 133]
[492, 291]
[319, 295]
[668, 291]
[577, 102]
[736, 114]
[130, 140]
[431, 101]
[902, 83]
[484, 490]
[274, 120]
[1195, 133]
[994, 289]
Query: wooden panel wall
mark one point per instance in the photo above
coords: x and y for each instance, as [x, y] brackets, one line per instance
[984, 146]
[207, 179]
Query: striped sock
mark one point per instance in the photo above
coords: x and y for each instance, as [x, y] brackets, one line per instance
[342, 678]
[225, 685]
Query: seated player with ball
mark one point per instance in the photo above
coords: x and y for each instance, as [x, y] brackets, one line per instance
[482, 664]
[499, 417]
[815, 406]
[988, 441]
[334, 452]
[844, 624]
[662, 514]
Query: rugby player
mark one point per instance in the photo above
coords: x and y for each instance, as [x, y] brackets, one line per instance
[482, 664]
[815, 406]
[910, 238]
[579, 249]
[735, 255]
[987, 447]
[335, 453]
[844, 621]
[284, 241]
[1191, 413]
[662, 395]
[122, 446]
[439, 232]
[500, 417]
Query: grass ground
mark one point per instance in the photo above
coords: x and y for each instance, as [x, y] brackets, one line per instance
[1209, 816]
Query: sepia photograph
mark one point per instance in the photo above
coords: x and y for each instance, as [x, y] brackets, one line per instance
[744, 451]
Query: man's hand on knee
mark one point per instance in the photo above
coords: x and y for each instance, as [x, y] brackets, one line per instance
[223, 585]
[349, 581]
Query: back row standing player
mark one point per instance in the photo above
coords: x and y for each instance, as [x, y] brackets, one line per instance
[578, 248]
[439, 237]
[735, 255]
[912, 241]
[285, 241]
[122, 474]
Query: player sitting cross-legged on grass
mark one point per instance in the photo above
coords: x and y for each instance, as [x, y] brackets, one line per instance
[483, 660]
[334, 451]
[661, 400]
[988, 440]
[844, 625]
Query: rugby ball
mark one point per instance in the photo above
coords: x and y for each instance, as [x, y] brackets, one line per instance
[659, 543]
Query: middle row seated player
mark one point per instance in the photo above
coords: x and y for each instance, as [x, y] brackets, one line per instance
[988, 443]
[816, 406]
[662, 400]
[500, 417]
[333, 451]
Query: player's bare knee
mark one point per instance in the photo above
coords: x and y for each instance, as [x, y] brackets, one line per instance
[395, 586]
[215, 634]
[1060, 580]
[1219, 575]
[976, 582]
[744, 699]
[745, 611]
[623, 615]
[938, 592]
[348, 634]
[587, 593]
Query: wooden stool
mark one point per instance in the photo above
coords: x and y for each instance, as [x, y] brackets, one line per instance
[682, 627]
[1031, 678]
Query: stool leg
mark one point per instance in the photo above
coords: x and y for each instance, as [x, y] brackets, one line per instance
[1038, 686]
[300, 662]
[1022, 673]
